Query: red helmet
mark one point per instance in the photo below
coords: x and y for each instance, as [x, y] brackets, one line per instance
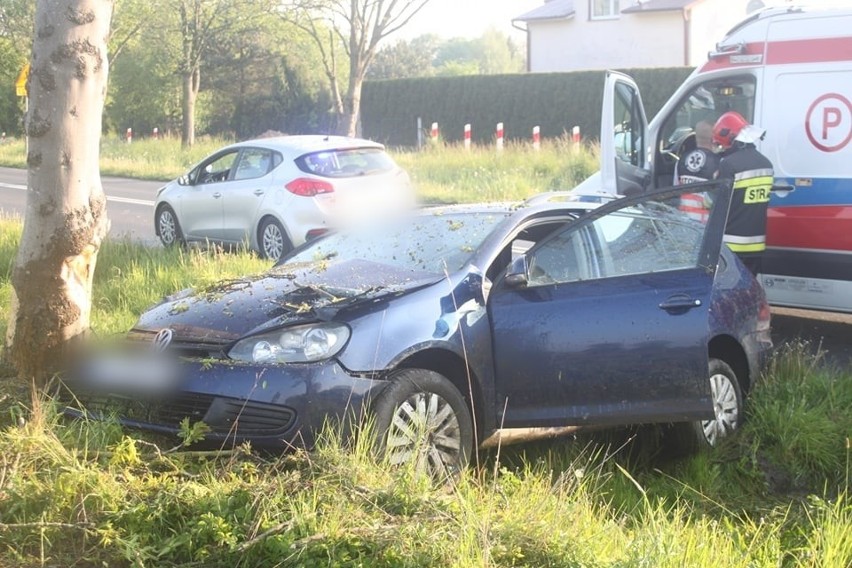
[727, 128]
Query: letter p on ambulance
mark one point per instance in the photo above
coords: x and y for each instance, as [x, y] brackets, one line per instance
[828, 123]
[831, 118]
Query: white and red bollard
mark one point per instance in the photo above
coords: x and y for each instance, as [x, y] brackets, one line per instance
[467, 132]
[575, 137]
[536, 138]
[129, 135]
[435, 132]
[499, 136]
[156, 133]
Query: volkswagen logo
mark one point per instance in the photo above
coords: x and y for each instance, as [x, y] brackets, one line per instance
[162, 340]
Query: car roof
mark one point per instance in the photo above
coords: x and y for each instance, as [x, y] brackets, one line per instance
[298, 145]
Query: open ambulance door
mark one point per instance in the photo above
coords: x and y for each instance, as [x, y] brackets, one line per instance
[625, 167]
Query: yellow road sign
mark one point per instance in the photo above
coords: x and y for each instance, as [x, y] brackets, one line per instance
[21, 82]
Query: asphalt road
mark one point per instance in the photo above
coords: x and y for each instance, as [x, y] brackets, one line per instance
[130, 204]
[828, 332]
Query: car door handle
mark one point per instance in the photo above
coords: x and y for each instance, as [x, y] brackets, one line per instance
[259, 192]
[217, 195]
[680, 302]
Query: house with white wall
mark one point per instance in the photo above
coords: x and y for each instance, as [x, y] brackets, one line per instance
[573, 35]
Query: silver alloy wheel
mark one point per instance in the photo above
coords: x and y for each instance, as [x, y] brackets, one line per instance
[167, 225]
[725, 408]
[272, 241]
[424, 432]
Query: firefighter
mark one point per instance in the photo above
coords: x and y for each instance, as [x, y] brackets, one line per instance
[752, 175]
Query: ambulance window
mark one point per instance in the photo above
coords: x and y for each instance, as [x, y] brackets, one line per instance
[706, 103]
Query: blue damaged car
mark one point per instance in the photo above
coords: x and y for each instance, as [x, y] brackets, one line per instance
[462, 326]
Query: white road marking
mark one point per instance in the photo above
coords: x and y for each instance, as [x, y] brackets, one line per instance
[109, 197]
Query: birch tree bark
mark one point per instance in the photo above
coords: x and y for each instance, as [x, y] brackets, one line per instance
[66, 220]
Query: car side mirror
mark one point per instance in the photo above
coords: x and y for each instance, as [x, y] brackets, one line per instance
[183, 180]
[516, 275]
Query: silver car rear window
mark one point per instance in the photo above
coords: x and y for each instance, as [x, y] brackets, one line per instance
[352, 162]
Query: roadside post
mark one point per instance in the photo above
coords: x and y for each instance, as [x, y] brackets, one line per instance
[129, 135]
[467, 131]
[499, 136]
[536, 137]
[575, 136]
[434, 132]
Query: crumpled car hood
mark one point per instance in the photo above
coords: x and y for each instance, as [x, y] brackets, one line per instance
[286, 294]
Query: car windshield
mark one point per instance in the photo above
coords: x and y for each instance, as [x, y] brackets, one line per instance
[433, 242]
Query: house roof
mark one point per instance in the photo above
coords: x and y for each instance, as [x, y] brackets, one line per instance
[552, 10]
[659, 6]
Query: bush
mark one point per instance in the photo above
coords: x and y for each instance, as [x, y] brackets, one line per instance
[554, 101]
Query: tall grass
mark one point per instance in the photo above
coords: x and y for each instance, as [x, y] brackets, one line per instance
[144, 158]
[89, 493]
[441, 173]
[130, 277]
[451, 174]
[92, 494]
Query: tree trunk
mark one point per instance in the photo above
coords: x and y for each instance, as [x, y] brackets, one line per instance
[348, 125]
[190, 94]
[65, 221]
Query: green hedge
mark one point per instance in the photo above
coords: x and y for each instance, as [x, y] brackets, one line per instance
[554, 101]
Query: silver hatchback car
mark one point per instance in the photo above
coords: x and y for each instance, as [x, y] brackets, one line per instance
[275, 193]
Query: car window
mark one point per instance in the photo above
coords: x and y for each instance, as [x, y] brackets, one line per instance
[352, 162]
[254, 163]
[637, 240]
[217, 169]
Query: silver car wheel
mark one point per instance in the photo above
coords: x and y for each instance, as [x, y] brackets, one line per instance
[272, 240]
[425, 433]
[725, 408]
[167, 226]
[423, 424]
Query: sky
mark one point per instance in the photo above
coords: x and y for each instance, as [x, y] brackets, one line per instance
[468, 18]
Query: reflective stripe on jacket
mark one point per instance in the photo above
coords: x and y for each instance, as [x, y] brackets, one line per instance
[692, 204]
[752, 175]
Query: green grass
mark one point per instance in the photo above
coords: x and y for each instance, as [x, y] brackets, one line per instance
[441, 174]
[161, 159]
[450, 174]
[92, 494]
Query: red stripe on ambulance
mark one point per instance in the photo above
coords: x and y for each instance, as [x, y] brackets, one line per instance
[810, 227]
[821, 50]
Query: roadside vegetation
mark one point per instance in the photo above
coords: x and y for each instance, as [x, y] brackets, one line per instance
[92, 494]
[441, 173]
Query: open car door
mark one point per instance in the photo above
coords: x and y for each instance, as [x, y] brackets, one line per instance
[625, 158]
[606, 320]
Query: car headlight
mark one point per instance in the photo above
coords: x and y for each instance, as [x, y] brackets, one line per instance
[300, 344]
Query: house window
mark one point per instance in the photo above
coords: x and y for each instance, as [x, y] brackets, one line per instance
[604, 9]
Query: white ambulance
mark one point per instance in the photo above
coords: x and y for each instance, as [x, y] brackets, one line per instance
[788, 70]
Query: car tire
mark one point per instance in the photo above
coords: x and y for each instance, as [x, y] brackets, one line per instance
[168, 227]
[726, 395]
[423, 422]
[272, 240]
